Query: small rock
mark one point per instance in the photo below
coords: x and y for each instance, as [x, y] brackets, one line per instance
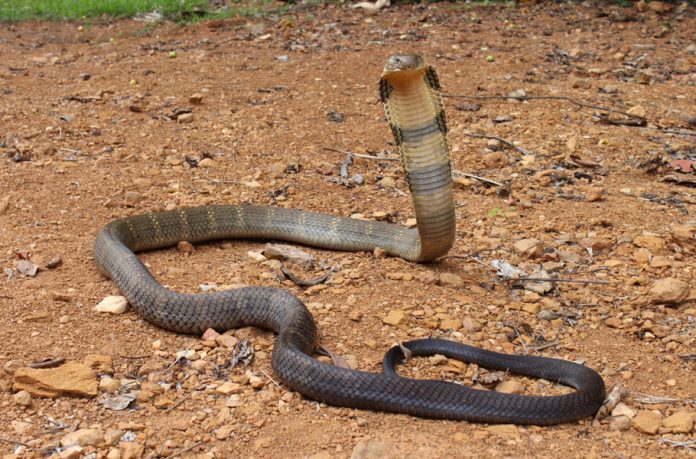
[450, 280]
[185, 118]
[112, 436]
[132, 197]
[196, 99]
[470, 324]
[72, 378]
[530, 248]
[387, 182]
[619, 423]
[495, 160]
[83, 437]
[637, 110]
[509, 387]
[110, 385]
[11, 366]
[185, 247]
[224, 432]
[114, 453]
[71, 452]
[227, 341]
[394, 317]
[532, 308]
[648, 422]
[547, 314]
[210, 335]
[131, 450]
[669, 291]
[54, 262]
[256, 256]
[680, 422]
[115, 304]
[22, 398]
[208, 163]
[355, 315]
[621, 409]
[229, 387]
[650, 241]
[595, 194]
[289, 253]
[494, 145]
[84, 76]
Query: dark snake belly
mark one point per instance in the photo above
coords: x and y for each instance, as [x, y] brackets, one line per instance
[410, 93]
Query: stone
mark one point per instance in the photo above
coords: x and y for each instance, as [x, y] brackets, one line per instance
[669, 291]
[112, 436]
[650, 241]
[210, 335]
[595, 194]
[72, 378]
[450, 280]
[227, 341]
[224, 432]
[684, 233]
[71, 452]
[619, 423]
[132, 197]
[680, 422]
[509, 387]
[289, 253]
[109, 385]
[196, 99]
[131, 450]
[22, 398]
[83, 437]
[185, 118]
[648, 422]
[530, 248]
[229, 387]
[394, 317]
[532, 308]
[207, 163]
[115, 304]
[621, 409]
[114, 453]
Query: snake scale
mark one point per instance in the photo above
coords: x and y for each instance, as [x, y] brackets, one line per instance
[410, 92]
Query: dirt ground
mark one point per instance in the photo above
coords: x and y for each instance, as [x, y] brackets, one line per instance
[108, 120]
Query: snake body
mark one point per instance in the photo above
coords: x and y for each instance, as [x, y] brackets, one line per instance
[410, 92]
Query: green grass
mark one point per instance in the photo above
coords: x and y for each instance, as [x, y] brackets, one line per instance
[22, 10]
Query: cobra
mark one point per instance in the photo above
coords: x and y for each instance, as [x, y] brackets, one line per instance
[410, 92]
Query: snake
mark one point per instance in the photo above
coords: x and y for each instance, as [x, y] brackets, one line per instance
[410, 91]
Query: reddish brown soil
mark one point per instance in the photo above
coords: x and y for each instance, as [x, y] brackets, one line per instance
[77, 153]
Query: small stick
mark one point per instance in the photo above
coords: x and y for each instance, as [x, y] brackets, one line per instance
[688, 444]
[7, 440]
[482, 179]
[541, 347]
[567, 99]
[654, 399]
[270, 379]
[185, 450]
[182, 400]
[69, 150]
[47, 363]
[555, 279]
[358, 155]
[499, 139]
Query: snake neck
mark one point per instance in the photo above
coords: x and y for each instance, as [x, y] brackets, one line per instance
[415, 111]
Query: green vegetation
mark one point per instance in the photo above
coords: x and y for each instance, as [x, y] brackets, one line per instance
[178, 10]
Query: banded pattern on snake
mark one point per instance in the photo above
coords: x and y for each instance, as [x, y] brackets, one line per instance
[410, 91]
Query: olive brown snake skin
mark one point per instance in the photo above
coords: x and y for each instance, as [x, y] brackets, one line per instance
[410, 91]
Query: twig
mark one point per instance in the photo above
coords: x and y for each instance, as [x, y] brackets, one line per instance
[302, 282]
[358, 155]
[174, 406]
[7, 440]
[688, 444]
[186, 450]
[482, 179]
[499, 139]
[655, 399]
[47, 363]
[541, 347]
[69, 150]
[555, 279]
[567, 99]
[270, 379]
